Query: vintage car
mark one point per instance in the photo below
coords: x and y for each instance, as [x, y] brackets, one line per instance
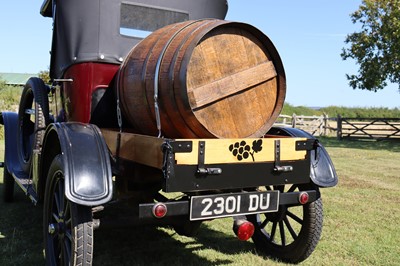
[151, 99]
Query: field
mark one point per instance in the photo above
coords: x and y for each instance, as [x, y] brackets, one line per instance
[361, 217]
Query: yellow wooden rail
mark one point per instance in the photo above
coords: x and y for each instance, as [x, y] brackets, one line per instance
[147, 149]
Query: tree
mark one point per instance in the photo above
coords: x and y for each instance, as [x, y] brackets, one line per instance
[376, 47]
[45, 76]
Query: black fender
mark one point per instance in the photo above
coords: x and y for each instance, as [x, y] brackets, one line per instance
[85, 156]
[323, 173]
[10, 122]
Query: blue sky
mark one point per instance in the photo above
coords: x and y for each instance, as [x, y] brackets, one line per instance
[309, 36]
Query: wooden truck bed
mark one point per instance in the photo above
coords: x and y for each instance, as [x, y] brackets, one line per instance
[209, 164]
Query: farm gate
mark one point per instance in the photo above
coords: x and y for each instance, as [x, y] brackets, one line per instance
[372, 128]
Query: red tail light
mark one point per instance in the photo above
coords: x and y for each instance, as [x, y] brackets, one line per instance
[303, 197]
[159, 210]
[243, 229]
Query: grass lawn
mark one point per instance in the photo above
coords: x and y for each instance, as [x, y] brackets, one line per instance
[361, 217]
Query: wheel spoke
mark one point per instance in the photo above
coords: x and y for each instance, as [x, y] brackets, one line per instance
[264, 224]
[273, 231]
[61, 195]
[66, 211]
[61, 258]
[282, 231]
[292, 188]
[294, 217]
[54, 238]
[54, 241]
[56, 217]
[57, 202]
[67, 250]
[68, 235]
[58, 254]
[290, 228]
[68, 223]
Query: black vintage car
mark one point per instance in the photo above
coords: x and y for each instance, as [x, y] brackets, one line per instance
[149, 98]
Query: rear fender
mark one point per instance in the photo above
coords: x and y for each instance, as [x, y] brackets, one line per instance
[85, 156]
[323, 173]
[10, 122]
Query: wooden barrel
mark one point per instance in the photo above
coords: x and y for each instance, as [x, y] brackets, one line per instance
[203, 79]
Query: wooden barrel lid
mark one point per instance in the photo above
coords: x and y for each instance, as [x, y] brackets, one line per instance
[235, 82]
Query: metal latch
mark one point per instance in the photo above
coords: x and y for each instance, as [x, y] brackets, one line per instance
[201, 169]
[278, 167]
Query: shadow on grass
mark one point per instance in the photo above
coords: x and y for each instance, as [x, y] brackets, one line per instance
[392, 145]
[21, 241]
[154, 246]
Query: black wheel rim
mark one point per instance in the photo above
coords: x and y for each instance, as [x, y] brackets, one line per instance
[284, 227]
[59, 238]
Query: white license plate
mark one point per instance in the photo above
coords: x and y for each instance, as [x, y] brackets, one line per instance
[225, 205]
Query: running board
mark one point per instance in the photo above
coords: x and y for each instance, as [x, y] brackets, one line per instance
[26, 184]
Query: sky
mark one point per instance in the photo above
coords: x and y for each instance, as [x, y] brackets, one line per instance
[308, 34]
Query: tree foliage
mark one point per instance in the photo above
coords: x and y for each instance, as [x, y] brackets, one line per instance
[45, 76]
[376, 47]
[2, 84]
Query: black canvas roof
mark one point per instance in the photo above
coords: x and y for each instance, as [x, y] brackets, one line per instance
[92, 30]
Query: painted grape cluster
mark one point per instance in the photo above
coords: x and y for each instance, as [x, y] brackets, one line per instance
[241, 150]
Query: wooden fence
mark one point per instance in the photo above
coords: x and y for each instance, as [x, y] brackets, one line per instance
[315, 125]
[372, 128]
[345, 128]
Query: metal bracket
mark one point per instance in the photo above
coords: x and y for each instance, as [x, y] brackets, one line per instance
[168, 160]
[278, 167]
[181, 146]
[201, 169]
[309, 144]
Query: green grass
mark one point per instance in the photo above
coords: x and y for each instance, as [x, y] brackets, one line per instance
[361, 217]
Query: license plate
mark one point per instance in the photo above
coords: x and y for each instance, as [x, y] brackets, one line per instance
[225, 205]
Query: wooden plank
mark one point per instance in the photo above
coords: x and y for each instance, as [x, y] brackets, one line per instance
[232, 84]
[137, 148]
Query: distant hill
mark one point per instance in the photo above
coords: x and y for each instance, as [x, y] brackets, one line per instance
[16, 79]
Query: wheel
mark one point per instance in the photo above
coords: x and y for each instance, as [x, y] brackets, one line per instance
[8, 185]
[67, 227]
[292, 233]
[34, 101]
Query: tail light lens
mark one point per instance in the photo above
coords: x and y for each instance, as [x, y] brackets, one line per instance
[303, 197]
[243, 229]
[160, 210]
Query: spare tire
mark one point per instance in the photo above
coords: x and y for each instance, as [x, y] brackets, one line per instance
[34, 101]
